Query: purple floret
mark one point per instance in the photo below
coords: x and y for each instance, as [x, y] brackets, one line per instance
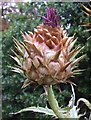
[52, 18]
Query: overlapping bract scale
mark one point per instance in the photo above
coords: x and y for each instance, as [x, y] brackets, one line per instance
[47, 56]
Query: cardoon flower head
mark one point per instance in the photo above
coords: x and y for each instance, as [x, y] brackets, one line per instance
[47, 56]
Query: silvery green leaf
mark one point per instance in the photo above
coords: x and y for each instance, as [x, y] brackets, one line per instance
[72, 100]
[74, 112]
[88, 104]
[46, 110]
[80, 115]
[90, 116]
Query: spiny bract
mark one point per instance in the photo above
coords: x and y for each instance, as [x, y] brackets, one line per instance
[46, 56]
[87, 11]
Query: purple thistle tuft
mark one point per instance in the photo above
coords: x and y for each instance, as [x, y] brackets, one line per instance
[52, 18]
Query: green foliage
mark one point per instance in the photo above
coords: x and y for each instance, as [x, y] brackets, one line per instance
[70, 111]
[14, 98]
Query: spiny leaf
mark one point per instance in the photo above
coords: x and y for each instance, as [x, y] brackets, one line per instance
[72, 100]
[88, 104]
[46, 110]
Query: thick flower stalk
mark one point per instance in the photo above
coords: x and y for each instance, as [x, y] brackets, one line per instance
[47, 56]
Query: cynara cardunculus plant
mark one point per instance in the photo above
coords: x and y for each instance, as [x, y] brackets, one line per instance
[47, 57]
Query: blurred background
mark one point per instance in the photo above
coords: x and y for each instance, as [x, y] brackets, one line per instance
[21, 17]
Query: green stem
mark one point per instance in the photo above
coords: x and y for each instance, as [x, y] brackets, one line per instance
[54, 104]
